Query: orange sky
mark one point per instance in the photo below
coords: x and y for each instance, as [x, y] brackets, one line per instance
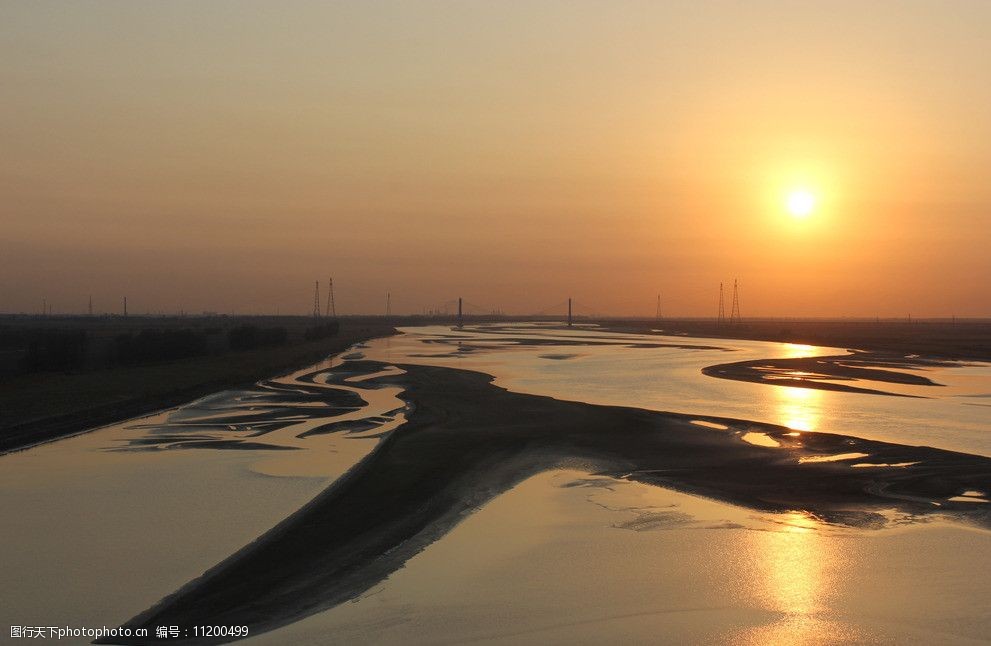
[224, 155]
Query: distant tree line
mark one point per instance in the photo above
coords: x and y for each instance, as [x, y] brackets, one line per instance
[34, 349]
[248, 337]
[151, 346]
[322, 331]
[54, 350]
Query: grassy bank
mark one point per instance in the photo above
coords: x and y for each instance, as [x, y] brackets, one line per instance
[43, 406]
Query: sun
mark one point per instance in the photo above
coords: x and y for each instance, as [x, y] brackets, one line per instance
[800, 203]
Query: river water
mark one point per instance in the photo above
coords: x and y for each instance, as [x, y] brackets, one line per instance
[100, 526]
[954, 416]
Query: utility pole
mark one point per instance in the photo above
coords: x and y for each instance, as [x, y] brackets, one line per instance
[91, 305]
[331, 308]
[722, 309]
[461, 318]
[734, 315]
[388, 304]
[125, 306]
[569, 312]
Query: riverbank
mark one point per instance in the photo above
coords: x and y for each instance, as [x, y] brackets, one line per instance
[45, 406]
[832, 373]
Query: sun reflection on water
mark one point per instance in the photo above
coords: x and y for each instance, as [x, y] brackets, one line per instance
[798, 408]
[793, 565]
[794, 572]
[797, 350]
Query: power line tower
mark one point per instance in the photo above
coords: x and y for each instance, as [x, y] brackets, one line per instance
[388, 304]
[316, 299]
[657, 312]
[331, 308]
[734, 315]
[461, 317]
[722, 308]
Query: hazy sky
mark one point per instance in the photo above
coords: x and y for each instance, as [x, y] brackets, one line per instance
[224, 155]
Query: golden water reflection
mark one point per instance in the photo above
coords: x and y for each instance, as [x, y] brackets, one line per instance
[798, 350]
[798, 408]
[794, 570]
[793, 564]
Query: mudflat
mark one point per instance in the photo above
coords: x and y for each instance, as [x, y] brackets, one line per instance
[466, 441]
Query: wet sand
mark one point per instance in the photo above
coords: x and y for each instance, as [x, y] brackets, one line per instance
[467, 441]
[834, 372]
[149, 504]
[44, 407]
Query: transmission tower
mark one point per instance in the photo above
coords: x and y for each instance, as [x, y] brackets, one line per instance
[331, 308]
[316, 299]
[657, 312]
[461, 317]
[722, 309]
[734, 315]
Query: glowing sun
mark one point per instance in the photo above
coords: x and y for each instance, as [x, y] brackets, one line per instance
[800, 203]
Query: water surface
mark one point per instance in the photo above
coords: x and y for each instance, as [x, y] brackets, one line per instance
[103, 525]
[622, 371]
